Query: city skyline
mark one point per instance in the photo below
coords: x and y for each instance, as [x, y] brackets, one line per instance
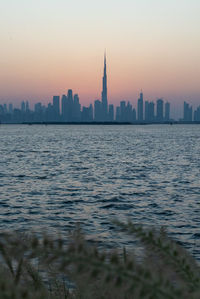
[151, 45]
[67, 108]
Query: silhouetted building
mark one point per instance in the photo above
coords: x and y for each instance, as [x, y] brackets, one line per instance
[97, 110]
[27, 106]
[167, 111]
[133, 115]
[5, 108]
[50, 113]
[151, 111]
[76, 109]
[146, 111]
[111, 113]
[1, 111]
[125, 113]
[87, 114]
[140, 107]
[118, 116]
[129, 110]
[64, 108]
[39, 114]
[197, 114]
[122, 111]
[187, 113]
[70, 105]
[56, 108]
[104, 96]
[23, 107]
[10, 108]
[159, 115]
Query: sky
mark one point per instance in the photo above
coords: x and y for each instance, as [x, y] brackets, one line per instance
[50, 46]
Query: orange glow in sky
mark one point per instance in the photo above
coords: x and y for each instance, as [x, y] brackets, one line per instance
[50, 46]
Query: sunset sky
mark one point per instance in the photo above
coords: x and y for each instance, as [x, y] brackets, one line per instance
[49, 46]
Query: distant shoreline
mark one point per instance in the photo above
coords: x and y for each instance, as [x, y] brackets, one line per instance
[107, 123]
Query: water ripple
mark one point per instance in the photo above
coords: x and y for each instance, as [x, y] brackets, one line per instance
[56, 176]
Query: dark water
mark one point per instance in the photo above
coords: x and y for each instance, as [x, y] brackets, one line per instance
[52, 177]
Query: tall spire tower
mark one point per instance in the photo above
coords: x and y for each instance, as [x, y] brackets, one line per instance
[104, 96]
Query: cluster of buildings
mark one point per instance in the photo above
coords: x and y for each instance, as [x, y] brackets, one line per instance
[188, 115]
[68, 109]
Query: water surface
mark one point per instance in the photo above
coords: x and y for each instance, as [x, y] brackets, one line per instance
[52, 177]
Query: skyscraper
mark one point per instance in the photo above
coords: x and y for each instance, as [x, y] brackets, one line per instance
[140, 107]
[159, 115]
[27, 106]
[97, 110]
[104, 96]
[10, 108]
[151, 111]
[23, 107]
[187, 113]
[167, 111]
[111, 113]
[197, 114]
[64, 107]
[76, 109]
[56, 108]
[146, 109]
[70, 103]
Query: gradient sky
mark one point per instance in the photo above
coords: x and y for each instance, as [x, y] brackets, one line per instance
[49, 46]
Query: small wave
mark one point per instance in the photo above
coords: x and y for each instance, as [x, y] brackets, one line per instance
[196, 236]
[109, 206]
[166, 213]
[41, 177]
[113, 199]
[4, 205]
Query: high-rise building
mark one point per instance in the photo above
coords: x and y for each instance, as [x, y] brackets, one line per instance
[87, 114]
[23, 107]
[187, 112]
[151, 111]
[197, 114]
[70, 105]
[159, 115]
[133, 115]
[104, 96]
[111, 113]
[38, 115]
[27, 106]
[146, 111]
[10, 108]
[167, 111]
[140, 107]
[97, 110]
[5, 108]
[50, 112]
[76, 109]
[64, 107]
[122, 111]
[129, 110]
[118, 114]
[56, 108]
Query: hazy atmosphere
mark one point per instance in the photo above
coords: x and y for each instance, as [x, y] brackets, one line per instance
[49, 46]
[99, 147]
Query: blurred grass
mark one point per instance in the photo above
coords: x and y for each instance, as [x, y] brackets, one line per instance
[49, 267]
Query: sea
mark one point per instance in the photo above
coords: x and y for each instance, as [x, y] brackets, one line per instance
[54, 178]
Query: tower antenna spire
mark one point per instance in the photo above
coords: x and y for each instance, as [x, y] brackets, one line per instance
[104, 96]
